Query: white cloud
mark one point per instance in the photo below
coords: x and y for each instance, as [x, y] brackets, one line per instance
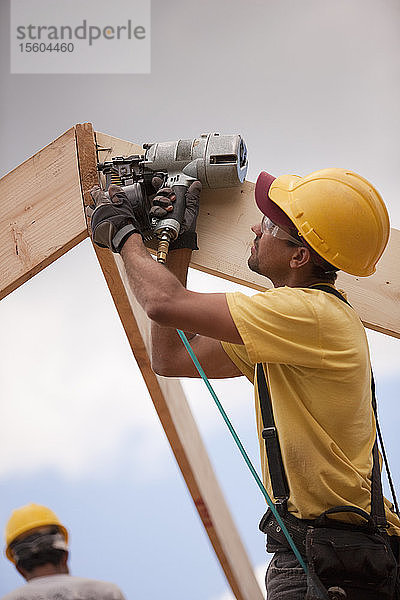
[73, 398]
[72, 395]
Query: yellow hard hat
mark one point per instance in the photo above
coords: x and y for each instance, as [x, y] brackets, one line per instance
[339, 214]
[27, 518]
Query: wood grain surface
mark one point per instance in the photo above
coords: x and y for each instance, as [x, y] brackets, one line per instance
[41, 215]
[225, 238]
[171, 405]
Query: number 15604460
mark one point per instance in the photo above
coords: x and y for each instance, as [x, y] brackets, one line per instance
[43, 47]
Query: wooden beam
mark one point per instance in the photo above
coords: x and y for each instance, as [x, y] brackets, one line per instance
[225, 238]
[377, 298]
[41, 216]
[41, 219]
[171, 406]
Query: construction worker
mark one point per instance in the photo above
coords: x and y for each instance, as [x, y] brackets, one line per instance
[311, 348]
[37, 544]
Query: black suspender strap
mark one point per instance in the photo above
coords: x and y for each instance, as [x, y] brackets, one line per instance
[277, 473]
[331, 290]
[276, 468]
[377, 504]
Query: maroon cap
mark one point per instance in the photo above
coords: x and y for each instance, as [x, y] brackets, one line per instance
[267, 206]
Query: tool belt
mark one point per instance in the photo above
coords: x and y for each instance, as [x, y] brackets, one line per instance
[362, 560]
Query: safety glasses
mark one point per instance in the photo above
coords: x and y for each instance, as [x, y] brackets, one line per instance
[268, 226]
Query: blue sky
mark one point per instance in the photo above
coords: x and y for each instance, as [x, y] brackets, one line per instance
[94, 450]
[112, 478]
[309, 85]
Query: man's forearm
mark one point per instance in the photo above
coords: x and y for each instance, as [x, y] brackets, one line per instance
[165, 342]
[148, 279]
[166, 301]
[162, 294]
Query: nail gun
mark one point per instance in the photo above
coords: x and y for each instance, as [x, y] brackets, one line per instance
[217, 161]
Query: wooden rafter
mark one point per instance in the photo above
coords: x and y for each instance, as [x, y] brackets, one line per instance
[42, 217]
[42, 220]
[171, 405]
[225, 238]
[39, 221]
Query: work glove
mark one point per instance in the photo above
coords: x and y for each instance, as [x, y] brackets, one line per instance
[163, 205]
[112, 219]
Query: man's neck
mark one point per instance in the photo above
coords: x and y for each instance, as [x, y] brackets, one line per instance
[46, 570]
[303, 282]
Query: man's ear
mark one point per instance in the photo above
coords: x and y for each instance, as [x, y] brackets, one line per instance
[300, 257]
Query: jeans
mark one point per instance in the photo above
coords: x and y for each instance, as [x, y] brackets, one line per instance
[285, 579]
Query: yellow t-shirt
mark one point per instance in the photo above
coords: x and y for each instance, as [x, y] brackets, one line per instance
[317, 366]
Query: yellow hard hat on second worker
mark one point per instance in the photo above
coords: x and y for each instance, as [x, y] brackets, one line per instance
[27, 518]
[337, 212]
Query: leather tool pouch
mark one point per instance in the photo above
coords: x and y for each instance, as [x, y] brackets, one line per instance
[360, 563]
[359, 559]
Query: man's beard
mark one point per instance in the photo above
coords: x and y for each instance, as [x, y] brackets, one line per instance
[252, 261]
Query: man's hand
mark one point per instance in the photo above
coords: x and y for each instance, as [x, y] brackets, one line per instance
[163, 204]
[112, 219]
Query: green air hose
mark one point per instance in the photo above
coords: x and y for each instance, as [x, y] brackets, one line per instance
[242, 450]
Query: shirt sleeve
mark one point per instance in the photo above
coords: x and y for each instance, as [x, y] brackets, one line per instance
[238, 355]
[276, 326]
